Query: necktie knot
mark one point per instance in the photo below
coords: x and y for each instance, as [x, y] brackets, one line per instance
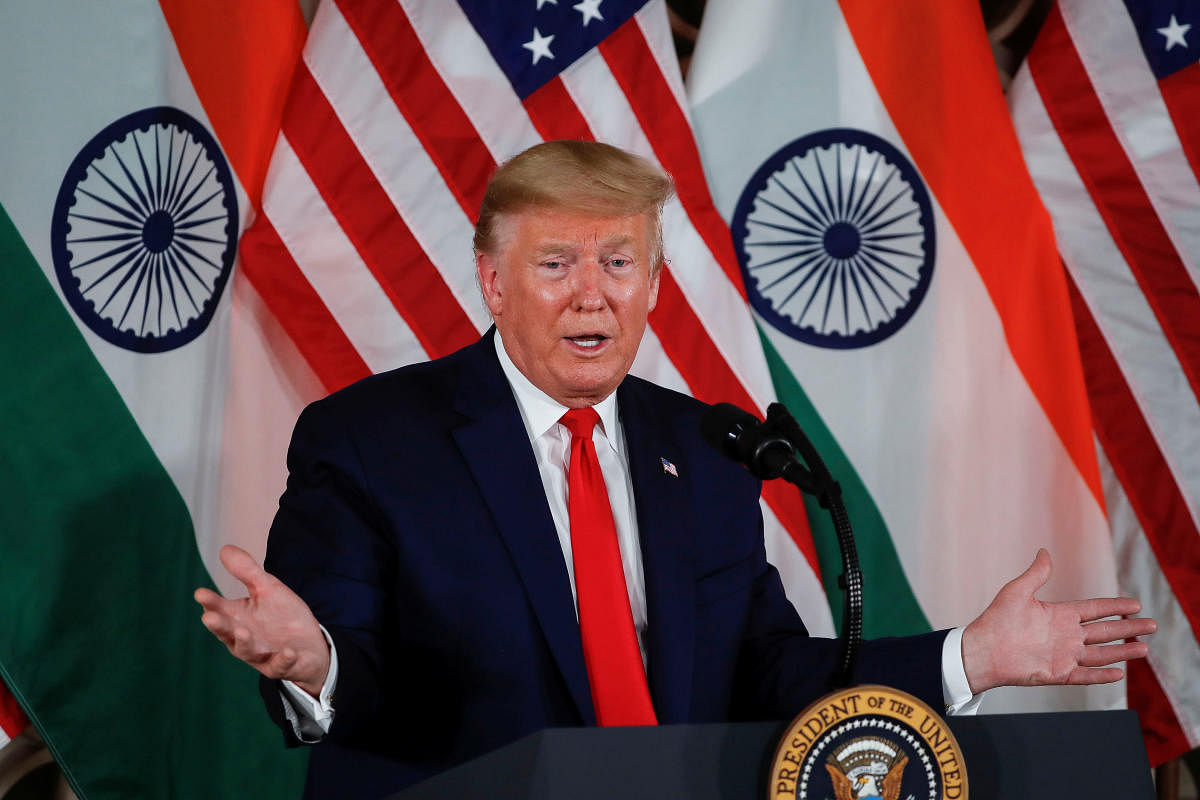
[580, 421]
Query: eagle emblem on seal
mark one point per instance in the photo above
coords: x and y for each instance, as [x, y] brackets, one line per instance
[866, 767]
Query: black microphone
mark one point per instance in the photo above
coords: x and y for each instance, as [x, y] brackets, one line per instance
[743, 437]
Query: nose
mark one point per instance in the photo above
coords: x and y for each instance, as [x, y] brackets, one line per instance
[588, 286]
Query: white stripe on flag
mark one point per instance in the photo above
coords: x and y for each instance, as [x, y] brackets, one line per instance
[662, 46]
[1108, 46]
[1129, 325]
[1174, 652]
[396, 157]
[473, 77]
[333, 266]
[652, 364]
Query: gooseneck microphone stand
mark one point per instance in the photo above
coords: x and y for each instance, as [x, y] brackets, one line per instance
[816, 480]
[778, 448]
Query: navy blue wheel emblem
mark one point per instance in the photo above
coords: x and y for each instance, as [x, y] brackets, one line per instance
[835, 235]
[145, 230]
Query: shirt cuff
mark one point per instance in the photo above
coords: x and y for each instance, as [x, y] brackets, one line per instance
[311, 717]
[956, 690]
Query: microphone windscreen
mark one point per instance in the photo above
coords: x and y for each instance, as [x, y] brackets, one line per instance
[722, 426]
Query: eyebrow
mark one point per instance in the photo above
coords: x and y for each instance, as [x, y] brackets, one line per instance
[564, 247]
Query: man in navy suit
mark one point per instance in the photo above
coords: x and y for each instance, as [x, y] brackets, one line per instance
[419, 603]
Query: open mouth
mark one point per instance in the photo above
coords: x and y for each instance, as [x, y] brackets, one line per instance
[588, 341]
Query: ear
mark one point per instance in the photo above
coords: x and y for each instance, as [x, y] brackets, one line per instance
[654, 281]
[490, 283]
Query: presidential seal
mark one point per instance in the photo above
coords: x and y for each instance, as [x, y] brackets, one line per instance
[868, 742]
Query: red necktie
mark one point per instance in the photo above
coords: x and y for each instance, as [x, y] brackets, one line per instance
[610, 646]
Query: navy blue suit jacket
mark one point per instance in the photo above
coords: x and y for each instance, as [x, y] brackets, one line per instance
[416, 527]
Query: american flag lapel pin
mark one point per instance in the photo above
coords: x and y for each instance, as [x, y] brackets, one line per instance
[669, 468]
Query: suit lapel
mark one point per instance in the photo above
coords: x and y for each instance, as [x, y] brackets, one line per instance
[665, 519]
[494, 443]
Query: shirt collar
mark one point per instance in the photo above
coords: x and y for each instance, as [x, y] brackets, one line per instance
[539, 411]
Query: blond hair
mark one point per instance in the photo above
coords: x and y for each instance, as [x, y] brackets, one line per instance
[585, 177]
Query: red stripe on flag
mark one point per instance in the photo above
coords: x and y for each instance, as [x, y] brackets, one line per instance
[1139, 464]
[268, 265]
[1181, 93]
[433, 113]
[370, 220]
[689, 346]
[12, 718]
[1164, 737]
[631, 62]
[554, 113]
[1094, 149]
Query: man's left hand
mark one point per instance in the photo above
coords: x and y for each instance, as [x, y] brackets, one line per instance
[1020, 641]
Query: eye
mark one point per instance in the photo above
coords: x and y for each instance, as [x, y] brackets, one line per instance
[619, 263]
[552, 264]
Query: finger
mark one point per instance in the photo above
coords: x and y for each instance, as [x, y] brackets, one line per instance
[218, 625]
[1117, 629]
[1101, 607]
[242, 566]
[247, 647]
[1103, 655]
[1088, 676]
[211, 601]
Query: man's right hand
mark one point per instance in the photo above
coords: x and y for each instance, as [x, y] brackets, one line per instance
[272, 630]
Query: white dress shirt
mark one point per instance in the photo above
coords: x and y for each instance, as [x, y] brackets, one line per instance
[551, 441]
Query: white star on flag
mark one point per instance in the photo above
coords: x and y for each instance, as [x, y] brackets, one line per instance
[590, 10]
[541, 3]
[1174, 33]
[539, 45]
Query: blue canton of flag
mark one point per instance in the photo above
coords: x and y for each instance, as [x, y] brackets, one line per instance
[1169, 31]
[534, 40]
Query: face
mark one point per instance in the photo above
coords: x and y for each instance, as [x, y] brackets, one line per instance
[570, 295]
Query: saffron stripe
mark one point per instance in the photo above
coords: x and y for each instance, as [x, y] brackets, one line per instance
[1181, 93]
[433, 113]
[1113, 184]
[244, 113]
[1138, 463]
[1018, 265]
[632, 64]
[370, 220]
[289, 296]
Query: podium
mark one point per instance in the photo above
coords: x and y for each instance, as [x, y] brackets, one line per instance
[1095, 754]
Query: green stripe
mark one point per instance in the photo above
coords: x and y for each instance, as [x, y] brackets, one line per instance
[101, 641]
[889, 606]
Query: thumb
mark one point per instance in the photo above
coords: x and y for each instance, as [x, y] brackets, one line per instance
[1034, 578]
[242, 566]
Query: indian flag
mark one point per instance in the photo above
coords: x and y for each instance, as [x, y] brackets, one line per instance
[911, 302]
[147, 396]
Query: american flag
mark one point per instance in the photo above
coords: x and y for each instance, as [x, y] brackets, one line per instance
[397, 115]
[1108, 112]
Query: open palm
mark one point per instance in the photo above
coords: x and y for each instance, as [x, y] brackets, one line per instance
[271, 629]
